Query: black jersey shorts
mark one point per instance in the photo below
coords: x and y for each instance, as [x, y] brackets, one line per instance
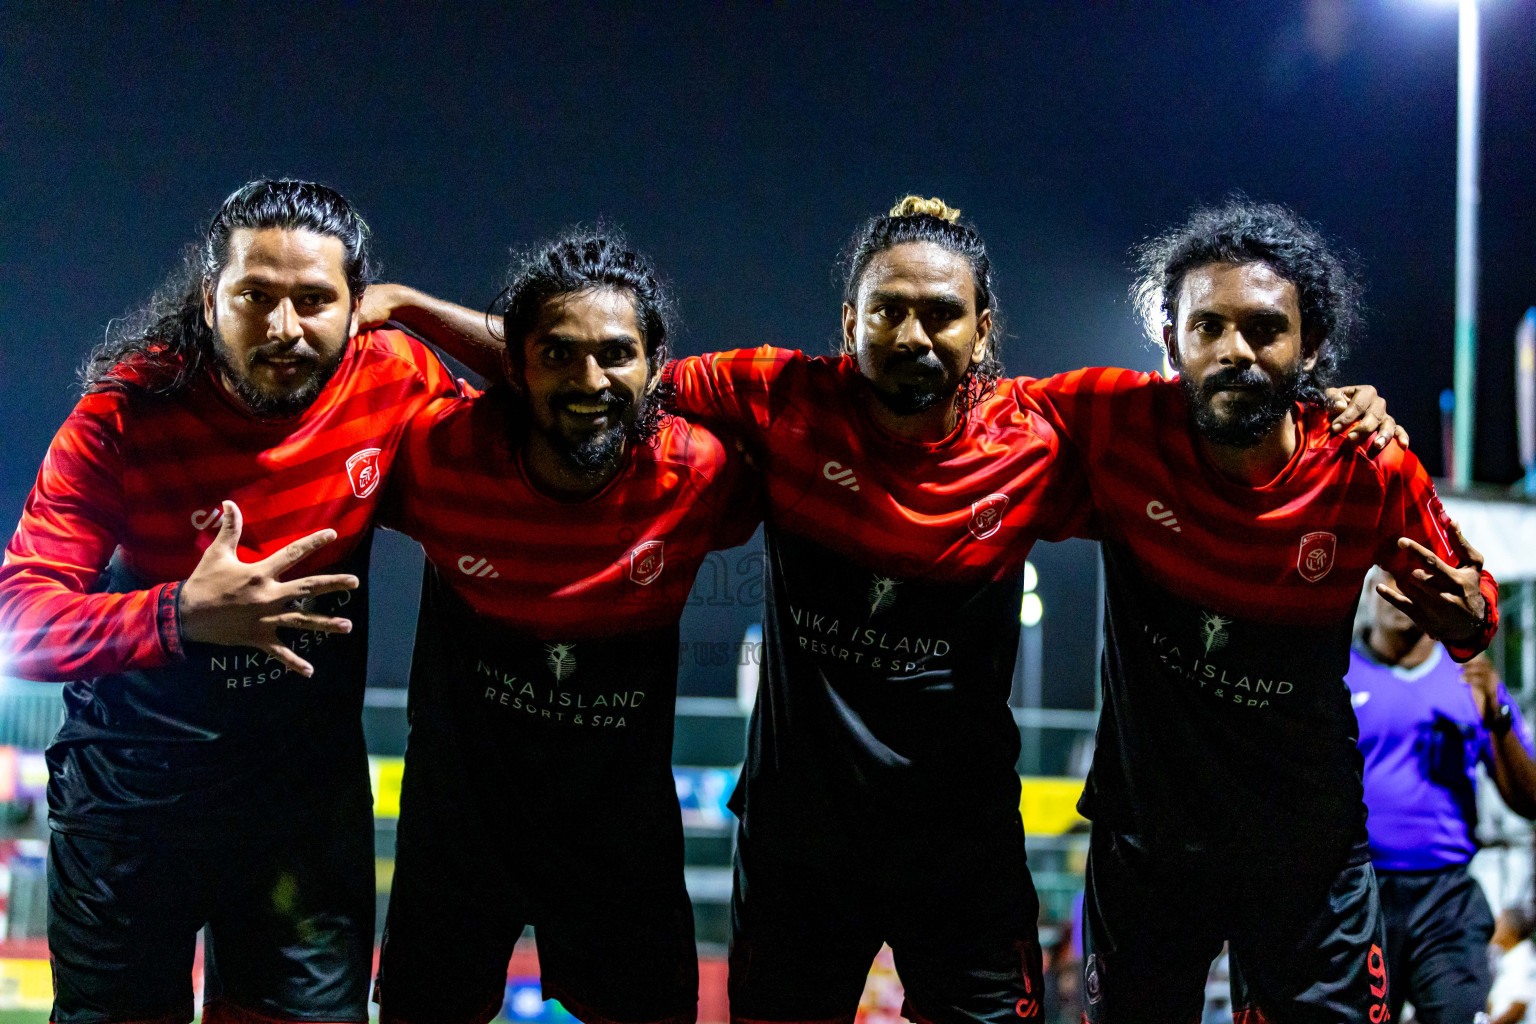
[1438, 928]
[959, 912]
[1306, 941]
[602, 886]
[289, 912]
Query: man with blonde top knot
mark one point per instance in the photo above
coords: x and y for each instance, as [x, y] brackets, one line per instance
[906, 481]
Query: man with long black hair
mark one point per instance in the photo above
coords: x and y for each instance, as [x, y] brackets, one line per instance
[211, 767]
[564, 519]
[1237, 529]
[905, 483]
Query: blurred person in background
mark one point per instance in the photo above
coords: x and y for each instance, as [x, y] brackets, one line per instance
[1514, 967]
[1425, 724]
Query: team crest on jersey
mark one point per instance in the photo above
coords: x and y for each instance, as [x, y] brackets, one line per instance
[1316, 555]
[560, 660]
[363, 471]
[646, 562]
[987, 515]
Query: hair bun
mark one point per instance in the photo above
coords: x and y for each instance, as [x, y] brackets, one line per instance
[912, 206]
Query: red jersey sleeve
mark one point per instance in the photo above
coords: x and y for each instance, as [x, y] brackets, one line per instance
[1081, 407]
[51, 627]
[1412, 509]
[733, 390]
[1080, 404]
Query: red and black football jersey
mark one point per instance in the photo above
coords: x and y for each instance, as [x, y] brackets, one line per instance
[163, 736]
[895, 580]
[1226, 725]
[545, 670]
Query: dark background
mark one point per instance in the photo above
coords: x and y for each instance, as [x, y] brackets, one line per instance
[741, 144]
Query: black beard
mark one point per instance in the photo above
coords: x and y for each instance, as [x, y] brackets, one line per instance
[597, 454]
[910, 399]
[263, 403]
[914, 397]
[1248, 423]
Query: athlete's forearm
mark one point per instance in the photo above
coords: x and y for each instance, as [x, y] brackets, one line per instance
[471, 337]
[1514, 773]
[54, 633]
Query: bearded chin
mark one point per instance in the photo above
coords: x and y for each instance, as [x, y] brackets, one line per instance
[910, 399]
[268, 404]
[1246, 424]
[597, 454]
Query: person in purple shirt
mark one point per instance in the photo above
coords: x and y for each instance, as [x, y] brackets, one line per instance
[1425, 723]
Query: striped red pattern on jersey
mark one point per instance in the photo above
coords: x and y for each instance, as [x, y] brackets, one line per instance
[966, 508]
[1295, 550]
[147, 474]
[619, 562]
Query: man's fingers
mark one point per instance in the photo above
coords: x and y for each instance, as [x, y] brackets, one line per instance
[288, 658]
[230, 525]
[1429, 558]
[1356, 404]
[1396, 599]
[1465, 552]
[1386, 432]
[299, 550]
[1401, 435]
[313, 586]
[305, 621]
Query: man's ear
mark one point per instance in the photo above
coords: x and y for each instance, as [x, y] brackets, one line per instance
[1171, 345]
[509, 372]
[207, 306]
[1312, 344]
[850, 325]
[357, 304]
[983, 336]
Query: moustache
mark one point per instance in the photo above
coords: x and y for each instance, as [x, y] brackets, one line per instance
[926, 363]
[297, 351]
[1233, 379]
[611, 401]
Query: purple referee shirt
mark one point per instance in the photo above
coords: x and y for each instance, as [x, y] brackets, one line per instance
[1422, 738]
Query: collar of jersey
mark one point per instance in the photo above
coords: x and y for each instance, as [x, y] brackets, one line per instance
[896, 440]
[1303, 444]
[1407, 675]
[592, 499]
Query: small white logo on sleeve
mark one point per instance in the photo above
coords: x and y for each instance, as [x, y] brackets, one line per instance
[840, 474]
[479, 568]
[1360, 698]
[1159, 513]
[363, 472]
[1315, 557]
[646, 562]
[987, 515]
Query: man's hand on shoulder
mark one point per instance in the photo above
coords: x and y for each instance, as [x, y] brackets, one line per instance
[1361, 415]
[243, 604]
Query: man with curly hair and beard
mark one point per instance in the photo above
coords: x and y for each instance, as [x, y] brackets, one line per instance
[905, 482]
[564, 520]
[1237, 529]
[211, 768]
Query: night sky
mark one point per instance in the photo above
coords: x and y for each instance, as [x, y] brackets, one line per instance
[741, 144]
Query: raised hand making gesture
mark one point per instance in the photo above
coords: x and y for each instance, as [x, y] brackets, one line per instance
[1443, 600]
[243, 604]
